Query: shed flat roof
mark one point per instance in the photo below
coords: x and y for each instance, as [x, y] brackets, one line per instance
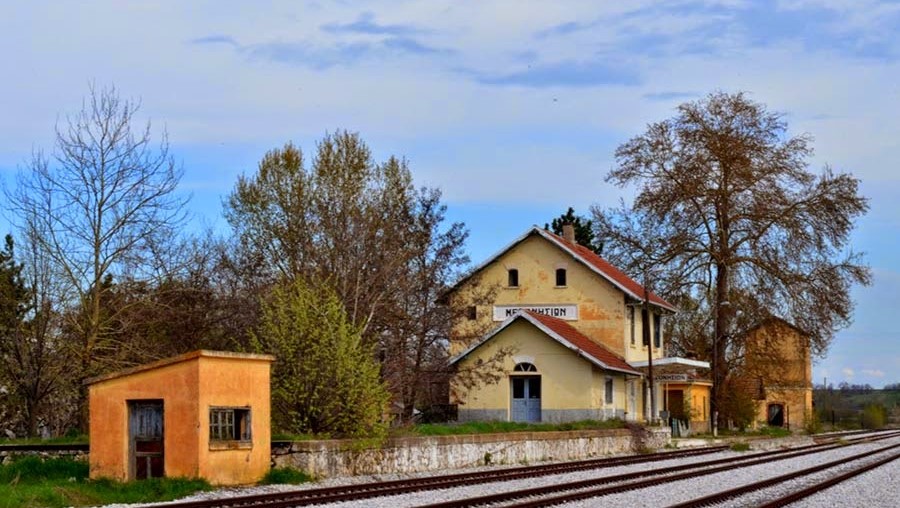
[178, 359]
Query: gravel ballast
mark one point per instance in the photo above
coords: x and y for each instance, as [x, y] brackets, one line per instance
[873, 489]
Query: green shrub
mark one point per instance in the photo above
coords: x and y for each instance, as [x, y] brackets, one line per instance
[874, 416]
[740, 446]
[325, 379]
[290, 475]
[812, 424]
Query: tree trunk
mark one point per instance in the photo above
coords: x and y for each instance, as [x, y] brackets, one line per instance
[720, 341]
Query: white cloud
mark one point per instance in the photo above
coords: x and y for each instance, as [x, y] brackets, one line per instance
[848, 372]
[873, 372]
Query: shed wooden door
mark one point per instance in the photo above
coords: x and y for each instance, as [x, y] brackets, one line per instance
[146, 436]
[526, 398]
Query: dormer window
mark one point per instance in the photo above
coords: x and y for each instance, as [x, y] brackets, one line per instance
[560, 277]
[512, 278]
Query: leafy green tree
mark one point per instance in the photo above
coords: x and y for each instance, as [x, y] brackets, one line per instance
[325, 378]
[728, 218]
[361, 228]
[584, 232]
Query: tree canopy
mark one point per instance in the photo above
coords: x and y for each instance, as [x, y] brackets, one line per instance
[733, 227]
[584, 232]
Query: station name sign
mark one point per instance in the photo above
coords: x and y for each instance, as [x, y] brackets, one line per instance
[669, 378]
[567, 312]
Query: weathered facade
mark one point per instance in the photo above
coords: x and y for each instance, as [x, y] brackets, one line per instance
[203, 414]
[545, 287]
[778, 372]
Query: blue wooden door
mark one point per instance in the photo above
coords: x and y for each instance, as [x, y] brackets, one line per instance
[526, 399]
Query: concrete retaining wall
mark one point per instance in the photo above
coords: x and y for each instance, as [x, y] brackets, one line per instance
[409, 455]
[329, 458]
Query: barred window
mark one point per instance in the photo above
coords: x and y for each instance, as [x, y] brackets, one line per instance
[229, 424]
[609, 390]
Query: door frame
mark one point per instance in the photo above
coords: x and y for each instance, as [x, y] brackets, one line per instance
[132, 442]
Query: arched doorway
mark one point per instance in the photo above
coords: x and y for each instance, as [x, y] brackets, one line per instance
[775, 415]
[525, 388]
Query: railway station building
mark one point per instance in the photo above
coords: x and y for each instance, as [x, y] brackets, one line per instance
[547, 330]
[203, 414]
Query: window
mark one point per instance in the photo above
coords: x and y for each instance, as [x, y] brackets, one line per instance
[513, 278]
[657, 331]
[472, 312]
[631, 322]
[609, 390]
[560, 276]
[525, 367]
[229, 424]
[645, 334]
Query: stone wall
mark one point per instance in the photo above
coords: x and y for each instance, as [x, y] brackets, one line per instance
[8, 453]
[330, 458]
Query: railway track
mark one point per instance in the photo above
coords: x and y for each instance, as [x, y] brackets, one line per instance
[785, 500]
[568, 492]
[363, 491]
[632, 480]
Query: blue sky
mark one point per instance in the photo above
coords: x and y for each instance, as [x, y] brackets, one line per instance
[512, 108]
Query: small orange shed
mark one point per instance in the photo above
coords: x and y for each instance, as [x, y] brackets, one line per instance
[203, 414]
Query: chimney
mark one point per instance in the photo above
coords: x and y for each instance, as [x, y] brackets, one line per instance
[569, 233]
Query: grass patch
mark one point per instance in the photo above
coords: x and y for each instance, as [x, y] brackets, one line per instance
[740, 447]
[494, 427]
[285, 475]
[76, 439]
[32, 483]
[298, 437]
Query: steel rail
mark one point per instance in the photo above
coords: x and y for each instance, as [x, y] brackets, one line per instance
[323, 495]
[369, 490]
[753, 487]
[644, 479]
[830, 482]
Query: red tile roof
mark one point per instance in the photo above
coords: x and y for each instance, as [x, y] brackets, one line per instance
[566, 335]
[587, 346]
[613, 273]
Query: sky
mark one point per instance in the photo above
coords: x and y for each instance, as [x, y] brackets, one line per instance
[512, 108]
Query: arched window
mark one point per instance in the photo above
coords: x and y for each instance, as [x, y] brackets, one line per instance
[513, 278]
[525, 367]
[560, 276]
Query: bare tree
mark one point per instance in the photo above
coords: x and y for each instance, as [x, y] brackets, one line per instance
[738, 227]
[101, 200]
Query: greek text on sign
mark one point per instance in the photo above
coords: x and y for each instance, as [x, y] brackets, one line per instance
[669, 378]
[568, 312]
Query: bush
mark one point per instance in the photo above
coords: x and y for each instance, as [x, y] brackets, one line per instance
[740, 447]
[874, 416]
[325, 380]
[811, 423]
[289, 475]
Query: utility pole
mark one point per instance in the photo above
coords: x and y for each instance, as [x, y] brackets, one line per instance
[645, 333]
